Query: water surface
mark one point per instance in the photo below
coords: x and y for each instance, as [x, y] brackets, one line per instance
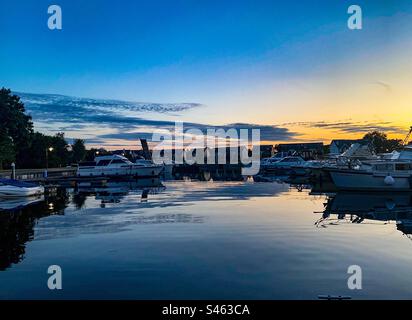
[205, 240]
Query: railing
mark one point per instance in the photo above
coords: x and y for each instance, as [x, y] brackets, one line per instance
[38, 174]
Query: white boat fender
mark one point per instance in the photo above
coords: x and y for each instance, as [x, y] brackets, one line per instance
[389, 180]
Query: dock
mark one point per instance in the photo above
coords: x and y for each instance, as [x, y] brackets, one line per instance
[67, 177]
[56, 177]
[37, 175]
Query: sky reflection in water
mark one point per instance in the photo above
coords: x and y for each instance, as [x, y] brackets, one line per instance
[215, 240]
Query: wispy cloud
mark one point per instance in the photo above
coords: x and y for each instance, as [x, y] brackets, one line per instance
[386, 86]
[349, 126]
[113, 122]
[103, 104]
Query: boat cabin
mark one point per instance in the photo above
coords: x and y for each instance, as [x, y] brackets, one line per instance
[391, 166]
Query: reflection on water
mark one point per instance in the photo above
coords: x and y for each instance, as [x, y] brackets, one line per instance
[358, 208]
[18, 218]
[266, 239]
[115, 191]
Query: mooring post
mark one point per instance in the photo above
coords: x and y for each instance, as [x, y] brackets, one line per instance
[13, 171]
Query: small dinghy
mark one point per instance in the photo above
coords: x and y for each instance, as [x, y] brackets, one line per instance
[10, 188]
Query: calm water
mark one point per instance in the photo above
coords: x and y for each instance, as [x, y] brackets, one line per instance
[213, 240]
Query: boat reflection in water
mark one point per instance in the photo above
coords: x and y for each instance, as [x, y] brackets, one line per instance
[114, 191]
[357, 207]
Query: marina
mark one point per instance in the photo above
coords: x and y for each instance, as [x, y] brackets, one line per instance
[204, 158]
[152, 224]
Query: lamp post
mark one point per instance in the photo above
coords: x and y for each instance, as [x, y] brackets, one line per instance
[13, 171]
[49, 149]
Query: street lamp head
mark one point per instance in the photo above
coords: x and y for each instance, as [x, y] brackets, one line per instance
[51, 149]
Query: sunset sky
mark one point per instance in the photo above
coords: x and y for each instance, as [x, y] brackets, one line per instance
[292, 68]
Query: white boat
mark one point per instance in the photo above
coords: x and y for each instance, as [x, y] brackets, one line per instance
[281, 164]
[381, 175]
[118, 166]
[167, 168]
[384, 174]
[10, 188]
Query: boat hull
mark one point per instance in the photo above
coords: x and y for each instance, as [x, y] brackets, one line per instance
[279, 170]
[363, 180]
[300, 171]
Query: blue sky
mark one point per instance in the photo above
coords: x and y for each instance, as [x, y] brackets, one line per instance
[192, 40]
[243, 61]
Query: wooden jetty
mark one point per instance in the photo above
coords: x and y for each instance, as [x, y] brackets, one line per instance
[56, 177]
[39, 174]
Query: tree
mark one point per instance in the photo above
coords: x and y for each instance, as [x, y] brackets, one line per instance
[78, 151]
[17, 127]
[39, 148]
[380, 143]
[7, 152]
[19, 142]
[60, 156]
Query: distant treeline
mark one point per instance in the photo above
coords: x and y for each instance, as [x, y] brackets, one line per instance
[19, 143]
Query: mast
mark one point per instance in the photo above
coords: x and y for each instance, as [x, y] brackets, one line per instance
[406, 140]
[146, 150]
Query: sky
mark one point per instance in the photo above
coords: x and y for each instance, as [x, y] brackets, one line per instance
[119, 70]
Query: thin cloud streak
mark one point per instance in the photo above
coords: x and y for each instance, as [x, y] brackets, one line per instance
[105, 121]
[348, 126]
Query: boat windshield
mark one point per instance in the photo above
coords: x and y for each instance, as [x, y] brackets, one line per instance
[119, 161]
[103, 163]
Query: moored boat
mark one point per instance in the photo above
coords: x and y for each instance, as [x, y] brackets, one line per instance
[281, 165]
[385, 174]
[118, 166]
[375, 175]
